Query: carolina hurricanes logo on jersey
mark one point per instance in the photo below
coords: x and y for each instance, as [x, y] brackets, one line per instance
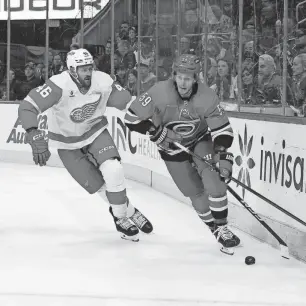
[184, 128]
[80, 114]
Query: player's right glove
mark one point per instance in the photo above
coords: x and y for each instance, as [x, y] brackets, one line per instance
[224, 163]
[37, 140]
[165, 138]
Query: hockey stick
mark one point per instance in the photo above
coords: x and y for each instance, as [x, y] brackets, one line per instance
[283, 246]
[286, 212]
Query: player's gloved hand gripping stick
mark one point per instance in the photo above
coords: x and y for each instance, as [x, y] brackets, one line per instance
[165, 138]
[283, 246]
[250, 190]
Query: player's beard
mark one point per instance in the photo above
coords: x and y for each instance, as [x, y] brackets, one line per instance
[86, 82]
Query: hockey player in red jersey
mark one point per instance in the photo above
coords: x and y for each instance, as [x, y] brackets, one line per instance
[183, 110]
[76, 101]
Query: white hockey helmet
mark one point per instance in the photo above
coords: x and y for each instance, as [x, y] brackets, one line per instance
[77, 58]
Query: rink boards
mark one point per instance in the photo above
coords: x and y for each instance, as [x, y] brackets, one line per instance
[269, 157]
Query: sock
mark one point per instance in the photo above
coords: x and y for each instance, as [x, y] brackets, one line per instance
[119, 210]
[210, 224]
[130, 209]
[221, 222]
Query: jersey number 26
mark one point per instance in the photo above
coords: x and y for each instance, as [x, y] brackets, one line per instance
[44, 91]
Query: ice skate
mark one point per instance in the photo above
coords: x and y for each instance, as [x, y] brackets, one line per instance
[141, 222]
[226, 238]
[126, 228]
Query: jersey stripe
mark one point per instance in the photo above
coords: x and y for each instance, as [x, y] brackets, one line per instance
[31, 101]
[131, 118]
[75, 142]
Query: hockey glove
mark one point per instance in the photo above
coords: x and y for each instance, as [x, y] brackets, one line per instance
[224, 163]
[165, 138]
[39, 144]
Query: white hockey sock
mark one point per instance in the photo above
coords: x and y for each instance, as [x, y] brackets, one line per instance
[130, 210]
[119, 210]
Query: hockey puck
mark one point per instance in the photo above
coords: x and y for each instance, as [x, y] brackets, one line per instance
[250, 260]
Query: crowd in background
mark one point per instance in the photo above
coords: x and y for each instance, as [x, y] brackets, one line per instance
[262, 56]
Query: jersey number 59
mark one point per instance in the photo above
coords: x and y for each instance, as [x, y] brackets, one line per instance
[44, 91]
[145, 99]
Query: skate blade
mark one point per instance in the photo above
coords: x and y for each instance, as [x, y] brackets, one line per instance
[134, 238]
[227, 251]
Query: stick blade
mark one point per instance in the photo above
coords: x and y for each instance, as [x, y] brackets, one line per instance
[284, 251]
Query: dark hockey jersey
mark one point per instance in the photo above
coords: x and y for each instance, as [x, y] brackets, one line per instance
[193, 119]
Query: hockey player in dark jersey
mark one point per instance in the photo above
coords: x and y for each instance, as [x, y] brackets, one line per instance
[183, 110]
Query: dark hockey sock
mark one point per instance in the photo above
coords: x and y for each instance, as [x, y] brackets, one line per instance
[220, 214]
[218, 207]
[210, 224]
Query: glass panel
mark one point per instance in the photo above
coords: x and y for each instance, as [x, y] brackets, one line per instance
[217, 45]
[27, 55]
[297, 57]
[263, 38]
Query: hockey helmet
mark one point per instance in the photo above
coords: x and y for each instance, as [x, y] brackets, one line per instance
[78, 58]
[187, 63]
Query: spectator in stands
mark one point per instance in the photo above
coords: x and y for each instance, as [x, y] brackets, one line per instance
[298, 85]
[161, 74]
[24, 87]
[127, 57]
[104, 64]
[124, 30]
[96, 62]
[248, 87]
[38, 73]
[214, 47]
[131, 85]
[269, 82]
[57, 66]
[133, 39]
[224, 21]
[117, 60]
[13, 82]
[211, 74]
[117, 39]
[146, 51]
[147, 78]
[191, 24]
[268, 37]
[224, 81]
[184, 46]
[121, 75]
[108, 47]
[228, 8]
[43, 75]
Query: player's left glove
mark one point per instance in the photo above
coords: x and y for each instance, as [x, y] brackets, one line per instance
[224, 163]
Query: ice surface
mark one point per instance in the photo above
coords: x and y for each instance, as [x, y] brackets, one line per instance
[59, 247]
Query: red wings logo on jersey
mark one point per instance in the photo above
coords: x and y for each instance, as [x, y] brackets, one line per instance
[80, 114]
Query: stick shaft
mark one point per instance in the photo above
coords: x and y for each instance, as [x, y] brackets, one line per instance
[244, 186]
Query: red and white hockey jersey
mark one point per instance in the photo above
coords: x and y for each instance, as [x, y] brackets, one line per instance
[74, 119]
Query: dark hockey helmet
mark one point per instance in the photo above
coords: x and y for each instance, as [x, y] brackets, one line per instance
[187, 63]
